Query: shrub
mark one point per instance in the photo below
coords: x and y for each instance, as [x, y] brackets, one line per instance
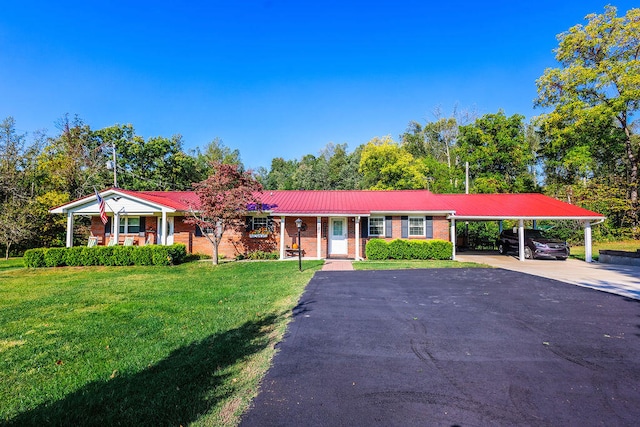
[263, 255]
[54, 257]
[34, 258]
[74, 256]
[106, 255]
[377, 249]
[399, 249]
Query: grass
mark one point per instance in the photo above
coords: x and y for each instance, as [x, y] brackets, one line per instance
[624, 245]
[140, 345]
[10, 264]
[404, 264]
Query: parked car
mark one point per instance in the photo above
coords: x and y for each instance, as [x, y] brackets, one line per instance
[536, 245]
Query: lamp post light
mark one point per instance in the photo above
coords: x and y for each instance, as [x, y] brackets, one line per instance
[299, 225]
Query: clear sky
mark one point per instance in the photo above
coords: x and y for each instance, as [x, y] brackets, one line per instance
[275, 78]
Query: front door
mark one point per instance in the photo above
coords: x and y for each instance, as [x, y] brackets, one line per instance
[338, 237]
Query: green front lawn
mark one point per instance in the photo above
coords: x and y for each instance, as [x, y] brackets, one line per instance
[624, 245]
[140, 345]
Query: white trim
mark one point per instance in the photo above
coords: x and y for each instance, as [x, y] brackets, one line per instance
[524, 218]
[69, 229]
[345, 223]
[319, 237]
[521, 240]
[383, 226]
[453, 239]
[357, 231]
[107, 196]
[424, 226]
[282, 223]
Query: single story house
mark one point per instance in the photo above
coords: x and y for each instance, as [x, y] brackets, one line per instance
[335, 223]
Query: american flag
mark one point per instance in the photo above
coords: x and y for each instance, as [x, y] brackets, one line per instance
[103, 214]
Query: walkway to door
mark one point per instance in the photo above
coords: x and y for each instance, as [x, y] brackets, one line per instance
[337, 265]
[618, 279]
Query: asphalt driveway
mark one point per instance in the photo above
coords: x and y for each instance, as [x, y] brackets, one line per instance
[448, 347]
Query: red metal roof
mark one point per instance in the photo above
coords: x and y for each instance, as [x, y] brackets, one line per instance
[367, 202]
[523, 205]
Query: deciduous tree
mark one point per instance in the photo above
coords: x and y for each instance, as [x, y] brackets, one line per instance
[594, 96]
[224, 200]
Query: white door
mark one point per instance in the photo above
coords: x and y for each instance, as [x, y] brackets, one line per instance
[338, 237]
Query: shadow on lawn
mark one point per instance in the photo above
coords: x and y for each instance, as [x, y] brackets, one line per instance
[175, 391]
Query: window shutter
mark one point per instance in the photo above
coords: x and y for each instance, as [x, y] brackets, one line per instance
[198, 232]
[107, 226]
[428, 226]
[405, 227]
[388, 226]
[247, 224]
[364, 224]
[143, 224]
[271, 225]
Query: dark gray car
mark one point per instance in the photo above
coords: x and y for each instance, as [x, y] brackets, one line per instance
[536, 245]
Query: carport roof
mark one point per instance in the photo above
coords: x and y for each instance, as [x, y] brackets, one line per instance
[514, 206]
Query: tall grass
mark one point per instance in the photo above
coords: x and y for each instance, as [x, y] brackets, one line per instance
[140, 345]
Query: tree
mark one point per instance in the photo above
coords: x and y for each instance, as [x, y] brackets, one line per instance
[225, 198]
[387, 166]
[499, 157]
[280, 176]
[595, 94]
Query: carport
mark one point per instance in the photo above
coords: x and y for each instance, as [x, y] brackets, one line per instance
[521, 208]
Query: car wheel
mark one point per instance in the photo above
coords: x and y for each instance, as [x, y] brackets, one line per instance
[502, 249]
[527, 252]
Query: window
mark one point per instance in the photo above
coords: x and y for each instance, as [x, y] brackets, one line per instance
[416, 226]
[259, 223]
[130, 225]
[376, 226]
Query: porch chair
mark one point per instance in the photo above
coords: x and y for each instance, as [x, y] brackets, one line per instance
[149, 240]
[93, 241]
[128, 241]
[112, 241]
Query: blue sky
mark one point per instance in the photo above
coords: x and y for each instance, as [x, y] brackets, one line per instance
[274, 78]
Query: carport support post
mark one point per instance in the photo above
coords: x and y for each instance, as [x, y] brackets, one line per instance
[588, 256]
[521, 239]
[453, 239]
[282, 227]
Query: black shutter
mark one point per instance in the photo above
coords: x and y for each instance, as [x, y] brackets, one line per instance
[247, 224]
[388, 226]
[405, 227]
[428, 226]
[364, 223]
[143, 224]
[271, 226]
[198, 232]
[107, 226]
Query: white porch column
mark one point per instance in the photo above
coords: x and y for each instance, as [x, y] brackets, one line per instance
[588, 255]
[282, 224]
[69, 229]
[357, 238]
[164, 228]
[116, 226]
[521, 239]
[319, 237]
[453, 238]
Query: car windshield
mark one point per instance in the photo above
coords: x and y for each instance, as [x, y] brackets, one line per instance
[533, 233]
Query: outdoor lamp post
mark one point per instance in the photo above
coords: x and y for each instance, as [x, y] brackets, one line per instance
[299, 225]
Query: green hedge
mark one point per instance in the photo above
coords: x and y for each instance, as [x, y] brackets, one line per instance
[378, 249]
[106, 255]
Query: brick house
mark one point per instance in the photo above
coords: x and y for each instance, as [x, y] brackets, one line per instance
[335, 223]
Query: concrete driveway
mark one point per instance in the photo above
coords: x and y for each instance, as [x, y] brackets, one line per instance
[618, 279]
[446, 347]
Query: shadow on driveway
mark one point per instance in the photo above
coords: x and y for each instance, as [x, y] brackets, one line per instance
[453, 347]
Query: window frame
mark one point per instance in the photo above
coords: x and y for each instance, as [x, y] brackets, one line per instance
[382, 226]
[125, 228]
[423, 226]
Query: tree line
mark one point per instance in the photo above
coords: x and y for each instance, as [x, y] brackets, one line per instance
[583, 148]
